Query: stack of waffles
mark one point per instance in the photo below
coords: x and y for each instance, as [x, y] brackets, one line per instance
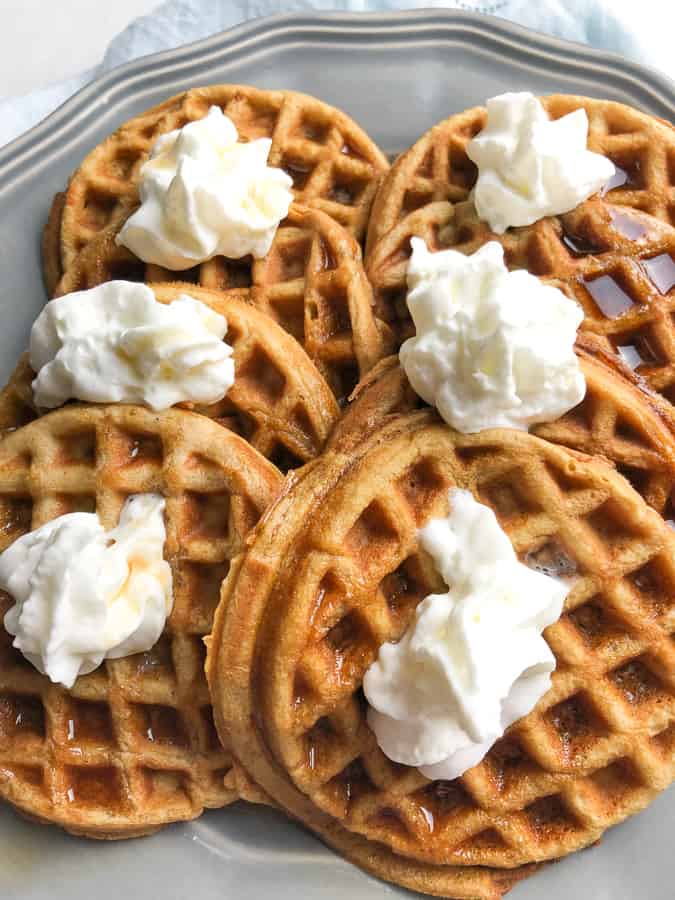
[294, 507]
[133, 746]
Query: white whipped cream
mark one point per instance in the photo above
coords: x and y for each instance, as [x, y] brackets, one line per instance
[473, 661]
[204, 194]
[530, 166]
[493, 348]
[116, 343]
[83, 594]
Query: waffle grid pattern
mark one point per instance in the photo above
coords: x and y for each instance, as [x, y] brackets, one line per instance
[97, 190]
[311, 282]
[279, 402]
[600, 744]
[437, 167]
[132, 746]
[617, 420]
[618, 264]
[334, 165]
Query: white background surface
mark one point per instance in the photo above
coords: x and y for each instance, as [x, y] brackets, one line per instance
[43, 41]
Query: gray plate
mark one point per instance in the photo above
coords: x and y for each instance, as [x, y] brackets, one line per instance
[397, 74]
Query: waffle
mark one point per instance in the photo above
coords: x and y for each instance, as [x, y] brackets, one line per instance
[132, 746]
[322, 593]
[437, 168]
[311, 282]
[279, 402]
[335, 166]
[619, 419]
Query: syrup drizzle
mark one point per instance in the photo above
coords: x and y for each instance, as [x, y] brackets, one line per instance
[630, 355]
[620, 178]
[669, 512]
[661, 271]
[428, 818]
[608, 295]
[299, 172]
[640, 352]
[627, 226]
[552, 560]
[579, 246]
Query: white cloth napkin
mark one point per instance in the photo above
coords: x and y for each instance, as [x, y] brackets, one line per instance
[637, 30]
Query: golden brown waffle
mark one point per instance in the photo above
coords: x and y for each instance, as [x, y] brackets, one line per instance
[279, 402]
[312, 282]
[437, 167]
[132, 746]
[322, 593]
[335, 166]
[619, 419]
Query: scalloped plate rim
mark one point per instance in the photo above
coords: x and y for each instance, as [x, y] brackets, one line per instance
[390, 27]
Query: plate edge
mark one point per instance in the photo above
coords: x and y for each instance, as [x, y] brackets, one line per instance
[389, 27]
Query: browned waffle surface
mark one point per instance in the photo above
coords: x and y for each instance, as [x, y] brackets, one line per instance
[617, 263]
[312, 283]
[304, 616]
[279, 401]
[437, 167]
[335, 166]
[132, 746]
[619, 419]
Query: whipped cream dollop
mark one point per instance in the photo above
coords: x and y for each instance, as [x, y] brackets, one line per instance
[83, 594]
[116, 343]
[473, 661]
[492, 348]
[204, 194]
[530, 166]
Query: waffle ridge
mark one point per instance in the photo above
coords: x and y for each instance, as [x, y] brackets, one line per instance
[132, 746]
[16, 397]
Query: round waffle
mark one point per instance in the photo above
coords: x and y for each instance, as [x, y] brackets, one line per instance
[249, 585]
[279, 402]
[132, 746]
[335, 166]
[311, 282]
[322, 593]
[437, 167]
